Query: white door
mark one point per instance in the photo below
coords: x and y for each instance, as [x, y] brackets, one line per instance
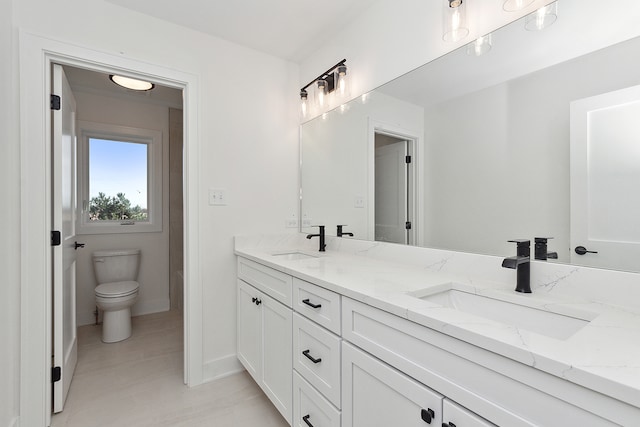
[391, 201]
[377, 395]
[65, 344]
[605, 172]
[277, 355]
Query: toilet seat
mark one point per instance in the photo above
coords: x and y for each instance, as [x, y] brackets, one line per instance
[117, 289]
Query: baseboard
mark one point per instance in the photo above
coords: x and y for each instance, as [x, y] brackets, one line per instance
[152, 306]
[220, 368]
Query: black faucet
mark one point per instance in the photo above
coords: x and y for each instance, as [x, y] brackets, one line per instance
[521, 263]
[342, 233]
[541, 249]
[320, 235]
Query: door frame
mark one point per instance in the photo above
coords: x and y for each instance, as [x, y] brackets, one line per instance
[415, 182]
[37, 53]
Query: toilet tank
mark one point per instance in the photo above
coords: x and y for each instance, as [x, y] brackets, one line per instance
[118, 265]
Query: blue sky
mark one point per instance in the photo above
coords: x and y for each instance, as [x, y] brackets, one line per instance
[118, 167]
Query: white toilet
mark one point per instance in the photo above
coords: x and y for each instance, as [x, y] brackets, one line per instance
[117, 290]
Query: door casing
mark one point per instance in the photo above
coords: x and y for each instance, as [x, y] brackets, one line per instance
[37, 53]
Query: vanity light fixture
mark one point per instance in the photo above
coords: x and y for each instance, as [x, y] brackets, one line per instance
[514, 5]
[132, 84]
[454, 14]
[542, 18]
[333, 80]
[480, 46]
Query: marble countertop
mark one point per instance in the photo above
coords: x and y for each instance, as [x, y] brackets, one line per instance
[604, 355]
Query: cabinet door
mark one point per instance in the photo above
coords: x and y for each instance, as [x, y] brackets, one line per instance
[249, 323]
[376, 395]
[454, 415]
[277, 368]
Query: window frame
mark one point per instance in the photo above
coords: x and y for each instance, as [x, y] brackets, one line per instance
[153, 140]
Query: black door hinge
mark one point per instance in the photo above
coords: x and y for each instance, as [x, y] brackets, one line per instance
[56, 374]
[55, 102]
[407, 225]
[55, 238]
[407, 159]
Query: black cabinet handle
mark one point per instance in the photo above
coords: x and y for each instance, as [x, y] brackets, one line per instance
[310, 304]
[308, 356]
[427, 415]
[253, 300]
[77, 245]
[306, 420]
[581, 250]
[448, 425]
[258, 301]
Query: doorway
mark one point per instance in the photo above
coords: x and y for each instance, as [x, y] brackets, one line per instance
[37, 54]
[395, 177]
[127, 185]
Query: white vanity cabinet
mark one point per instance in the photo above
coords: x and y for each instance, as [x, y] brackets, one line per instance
[264, 334]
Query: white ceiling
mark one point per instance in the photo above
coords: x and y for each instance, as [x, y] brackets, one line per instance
[289, 29]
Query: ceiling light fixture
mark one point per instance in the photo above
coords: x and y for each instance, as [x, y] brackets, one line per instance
[454, 14]
[335, 79]
[515, 5]
[132, 84]
[542, 18]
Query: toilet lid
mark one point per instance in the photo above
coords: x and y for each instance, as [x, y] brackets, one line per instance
[117, 289]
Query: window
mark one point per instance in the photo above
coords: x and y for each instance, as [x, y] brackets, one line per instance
[120, 179]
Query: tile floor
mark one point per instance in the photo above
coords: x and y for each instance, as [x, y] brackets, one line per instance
[139, 382]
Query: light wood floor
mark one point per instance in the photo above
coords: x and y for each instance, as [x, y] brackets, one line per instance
[139, 382]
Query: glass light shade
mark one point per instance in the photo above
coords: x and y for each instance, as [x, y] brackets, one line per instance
[480, 46]
[454, 14]
[514, 5]
[304, 103]
[321, 93]
[133, 84]
[342, 82]
[541, 18]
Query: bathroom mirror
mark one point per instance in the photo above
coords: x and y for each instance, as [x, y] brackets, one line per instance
[488, 139]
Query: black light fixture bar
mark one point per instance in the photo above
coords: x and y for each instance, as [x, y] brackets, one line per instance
[326, 76]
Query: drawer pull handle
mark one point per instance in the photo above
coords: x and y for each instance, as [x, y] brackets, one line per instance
[448, 425]
[308, 356]
[310, 304]
[306, 420]
[427, 415]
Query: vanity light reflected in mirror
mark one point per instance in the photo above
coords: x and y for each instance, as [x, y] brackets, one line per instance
[542, 18]
[480, 46]
[454, 13]
[514, 5]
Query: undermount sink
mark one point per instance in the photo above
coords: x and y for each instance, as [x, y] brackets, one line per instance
[293, 256]
[512, 313]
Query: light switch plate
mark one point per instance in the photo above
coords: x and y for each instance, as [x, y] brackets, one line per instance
[358, 202]
[217, 197]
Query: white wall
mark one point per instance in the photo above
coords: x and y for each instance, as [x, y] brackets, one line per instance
[248, 134]
[153, 277]
[10, 217]
[499, 157]
[337, 161]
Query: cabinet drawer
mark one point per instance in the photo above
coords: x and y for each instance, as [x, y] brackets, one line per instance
[272, 282]
[318, 304]
[310, 407]
[456, 415]
[316, 356]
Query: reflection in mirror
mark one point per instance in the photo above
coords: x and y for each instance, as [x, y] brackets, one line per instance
[490, 140]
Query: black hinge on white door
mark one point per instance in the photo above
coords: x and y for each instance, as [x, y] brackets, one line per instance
[55, 238]
[56, 374]
[407, 159]
[55, 102]
[407, 225]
